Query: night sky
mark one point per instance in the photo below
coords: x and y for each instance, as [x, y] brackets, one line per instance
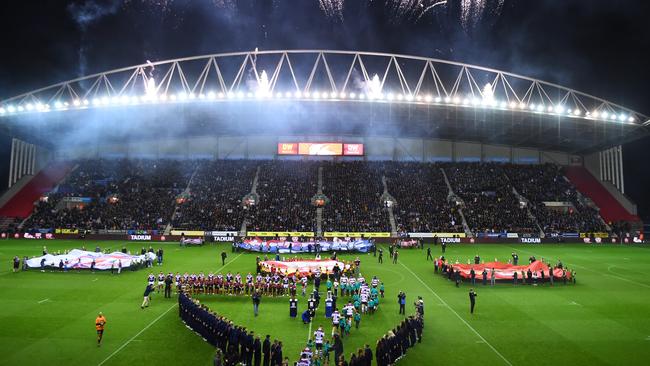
[595, 46]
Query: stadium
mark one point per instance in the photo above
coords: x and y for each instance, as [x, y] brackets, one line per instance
[229, 185]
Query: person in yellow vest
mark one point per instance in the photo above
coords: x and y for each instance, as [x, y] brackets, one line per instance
[100, 322]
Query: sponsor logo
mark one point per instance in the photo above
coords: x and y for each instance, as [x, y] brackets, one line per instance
[450, 240]
[140, 237]
[224, 238]
[530, 240]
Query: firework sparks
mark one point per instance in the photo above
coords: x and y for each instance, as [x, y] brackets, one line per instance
[472, 11]
[411, 10]
[332, 8]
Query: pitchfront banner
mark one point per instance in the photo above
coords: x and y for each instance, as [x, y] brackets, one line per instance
[439, 235]
[307, 234]
[188, 232]
[284, 247]
[66, 231]
[346, 234]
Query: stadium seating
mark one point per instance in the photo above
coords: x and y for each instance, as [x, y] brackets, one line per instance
[354, 190]
[215, 196]
[150, 194]
[546, 183]
[421, 194]
[22, 203]
[285, 190]
[124, 194]
[610, 209]
[491, 206]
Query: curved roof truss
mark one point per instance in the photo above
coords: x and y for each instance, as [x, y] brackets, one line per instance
[323, 75]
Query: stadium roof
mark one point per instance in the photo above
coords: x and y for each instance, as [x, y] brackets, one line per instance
[373, 94]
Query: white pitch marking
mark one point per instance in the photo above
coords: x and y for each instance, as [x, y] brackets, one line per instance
[598, 272]
[95, 279]
[574, 303]
[44, 300]
[309, 334]
[458, 316]
[136, 336]
[234, 259]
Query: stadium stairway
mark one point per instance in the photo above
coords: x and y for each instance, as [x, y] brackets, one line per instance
[391, 216]
[611, 209]
[21, 204]
[451, 193]
[319, 211]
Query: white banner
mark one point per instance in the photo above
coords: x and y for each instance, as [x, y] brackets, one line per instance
[81, 259]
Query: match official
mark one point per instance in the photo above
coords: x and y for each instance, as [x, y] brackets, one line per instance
[472, 300]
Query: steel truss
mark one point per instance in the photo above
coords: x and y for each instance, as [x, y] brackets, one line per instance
[320, 75]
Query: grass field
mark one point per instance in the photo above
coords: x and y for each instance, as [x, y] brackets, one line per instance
[48, 318]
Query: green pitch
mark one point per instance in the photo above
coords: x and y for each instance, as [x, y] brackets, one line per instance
[48, 318]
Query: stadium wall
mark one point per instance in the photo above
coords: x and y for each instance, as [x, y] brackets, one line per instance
[265, 147]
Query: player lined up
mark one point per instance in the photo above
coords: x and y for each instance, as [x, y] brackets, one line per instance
[268, 285]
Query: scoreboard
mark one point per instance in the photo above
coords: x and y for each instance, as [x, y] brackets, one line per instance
[320, 148]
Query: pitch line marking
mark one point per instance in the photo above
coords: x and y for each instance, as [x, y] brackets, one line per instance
[44, 300]
[458, 316]
[136, 336]
[309, 334]
[95, 279]
[234, 259]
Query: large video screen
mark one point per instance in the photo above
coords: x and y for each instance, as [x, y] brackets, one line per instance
[320, 148]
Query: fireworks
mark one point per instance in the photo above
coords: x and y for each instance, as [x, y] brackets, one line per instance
[332, 8]
[472, 11]
[411, 10]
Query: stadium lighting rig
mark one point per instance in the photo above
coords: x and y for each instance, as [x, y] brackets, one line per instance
[469, 101]
[501, 91]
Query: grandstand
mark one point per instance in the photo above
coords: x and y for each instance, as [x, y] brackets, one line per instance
[441, 147]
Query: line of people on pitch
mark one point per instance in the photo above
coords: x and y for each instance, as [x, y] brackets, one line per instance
[235, 344]
[394, 344]
[318, 352]
[528, 277]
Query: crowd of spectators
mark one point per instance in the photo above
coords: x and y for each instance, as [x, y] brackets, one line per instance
[123, 194]
[150, 194]
[546, 183]
[215, 196]
[354, 190]
[490, 204]
[285, 189]
[421, 194]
